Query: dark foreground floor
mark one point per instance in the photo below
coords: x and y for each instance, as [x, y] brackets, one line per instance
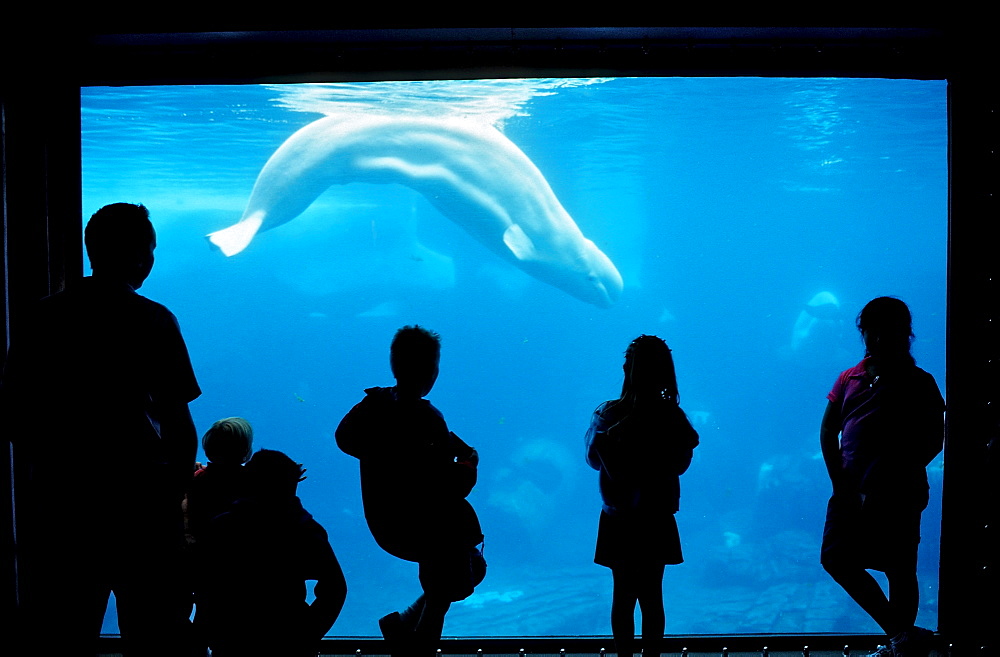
[812, 653]
[773, 653]
[699, 646]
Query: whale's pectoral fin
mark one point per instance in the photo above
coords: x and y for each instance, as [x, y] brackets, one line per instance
[519, 243]
[237, 237]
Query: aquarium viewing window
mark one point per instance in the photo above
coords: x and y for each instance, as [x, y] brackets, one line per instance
[744, 220]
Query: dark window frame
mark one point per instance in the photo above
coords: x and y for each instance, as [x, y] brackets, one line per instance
[41, 200]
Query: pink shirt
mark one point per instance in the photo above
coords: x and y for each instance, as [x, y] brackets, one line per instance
[897, 421]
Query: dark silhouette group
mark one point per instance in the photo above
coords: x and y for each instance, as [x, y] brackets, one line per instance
[95, 402]
[251, 565]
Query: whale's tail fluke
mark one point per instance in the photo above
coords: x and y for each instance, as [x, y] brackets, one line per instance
[237, 237]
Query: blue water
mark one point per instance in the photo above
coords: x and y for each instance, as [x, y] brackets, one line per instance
[726, 204]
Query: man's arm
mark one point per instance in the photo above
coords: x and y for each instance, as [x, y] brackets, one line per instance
[175, 385]
[180, 440]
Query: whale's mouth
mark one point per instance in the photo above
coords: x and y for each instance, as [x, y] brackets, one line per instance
[607, 298]
[600, 293]
[607, 286]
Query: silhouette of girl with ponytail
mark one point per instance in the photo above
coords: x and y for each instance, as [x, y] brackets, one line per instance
[641, 443]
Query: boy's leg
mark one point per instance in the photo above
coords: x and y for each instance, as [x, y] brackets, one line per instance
[411, 615]
[427, 633]
[444, 578]
[397, 628]
[416, 629]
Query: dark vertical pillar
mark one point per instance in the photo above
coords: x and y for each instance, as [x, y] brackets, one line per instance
[968, 595]
[41, 205]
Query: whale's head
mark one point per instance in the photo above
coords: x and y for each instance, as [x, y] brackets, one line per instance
[584, 272]
[601, 284]
[823, 306]
[570, 262]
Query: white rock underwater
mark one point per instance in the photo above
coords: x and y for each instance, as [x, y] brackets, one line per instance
[468, 170]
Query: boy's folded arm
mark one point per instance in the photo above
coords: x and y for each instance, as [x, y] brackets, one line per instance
[462, 450]
[464, 478]
[353, 430]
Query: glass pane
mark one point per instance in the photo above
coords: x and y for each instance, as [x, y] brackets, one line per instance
[749, 219]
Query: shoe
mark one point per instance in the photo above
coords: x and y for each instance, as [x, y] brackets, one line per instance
[391, 626]
[914, 642]
[883, 651]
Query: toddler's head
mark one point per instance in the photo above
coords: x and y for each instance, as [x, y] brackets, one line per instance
[230, 441]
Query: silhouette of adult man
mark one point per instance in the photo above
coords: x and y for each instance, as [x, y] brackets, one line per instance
[96, 405]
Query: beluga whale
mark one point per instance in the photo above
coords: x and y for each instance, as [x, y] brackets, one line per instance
[822, 310]
[467, 169]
